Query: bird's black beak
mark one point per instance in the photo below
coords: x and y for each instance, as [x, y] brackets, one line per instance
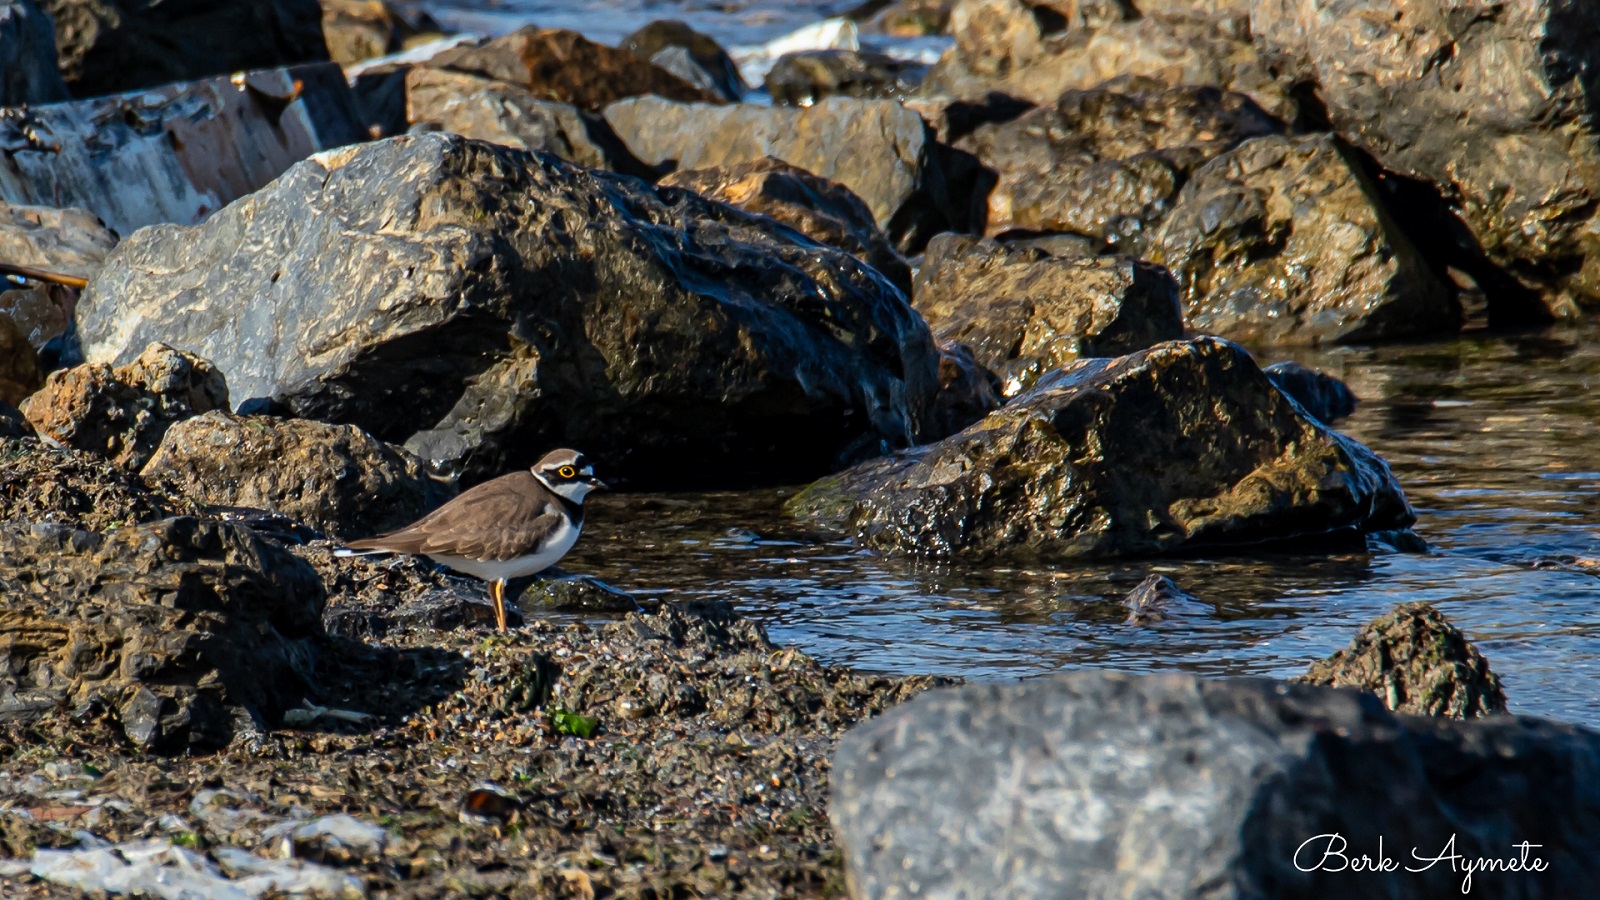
[598, 485]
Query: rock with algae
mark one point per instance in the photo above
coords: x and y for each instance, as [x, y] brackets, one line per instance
[1417, 662]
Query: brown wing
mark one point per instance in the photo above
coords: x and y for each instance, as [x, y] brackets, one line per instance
[500, 519]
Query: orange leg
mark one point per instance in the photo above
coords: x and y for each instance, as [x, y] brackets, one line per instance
[497, 590]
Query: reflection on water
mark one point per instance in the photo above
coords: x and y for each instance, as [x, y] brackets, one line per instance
[1494, 440]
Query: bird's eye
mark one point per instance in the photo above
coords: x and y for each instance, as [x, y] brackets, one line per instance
[566, 471]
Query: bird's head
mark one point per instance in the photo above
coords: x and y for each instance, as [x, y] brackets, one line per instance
[568, 473]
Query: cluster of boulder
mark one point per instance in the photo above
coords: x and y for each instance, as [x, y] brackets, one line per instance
[996, 307]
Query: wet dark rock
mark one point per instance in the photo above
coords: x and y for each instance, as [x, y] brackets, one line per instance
[28, 72]
[13, 424]
[488, 110]
[335, 477]
[1496, 111]
[1154, 598]
[176, 626]
[878, 149]
[566, 67]
[803, 78]
[70, 487]
[1214, 786]
[358, 30]
[560, 591]
[1284, 241]
[1065, 470]
[696, 58]
[820, 209]
[1415, 661]
[968, 391]
[449, 610]
[1108, 163]
[1038, 50]
[19, 363]
[1322, 395]
[1024, 312]
[513, 302]
[121, 413]
[109, 46]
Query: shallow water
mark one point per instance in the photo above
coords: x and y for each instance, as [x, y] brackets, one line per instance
[1494, 439]
[732, 22]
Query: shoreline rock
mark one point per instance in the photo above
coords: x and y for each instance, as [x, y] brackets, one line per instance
[1063, 470]
[513, 302]
[1018, 790]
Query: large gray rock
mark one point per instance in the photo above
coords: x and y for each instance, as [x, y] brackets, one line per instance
[483, 305]
[28, 72]
[1023, 312]
[1100, 784]
[1108, 163]
[1284, 241]
[1182, 446]
[878, 149]
[108, 46]
[175, 628]
[334, 477]
[1494, 104]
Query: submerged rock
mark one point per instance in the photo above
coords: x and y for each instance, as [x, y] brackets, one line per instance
[71, 487]
[28, 72]
[1322, 395]
[1181, 446]
[121, 413]
[880, 150]
[108, 46]
[1283, 240]
[482, 305]
[560, 591]
[1107, 163]
[820, 209]
[1024, 312]
[174, 627]
[803, 78]
[1153, 599]
[1416, 662]
[696, 58]
[564, 66]
[334, 477]
[1107, 784]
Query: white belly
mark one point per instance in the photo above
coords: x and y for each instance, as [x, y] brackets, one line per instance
[504, 570]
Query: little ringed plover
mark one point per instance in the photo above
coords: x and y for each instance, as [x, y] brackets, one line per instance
[515, 525]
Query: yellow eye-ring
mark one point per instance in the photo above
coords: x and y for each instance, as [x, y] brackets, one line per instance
[566, 471]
